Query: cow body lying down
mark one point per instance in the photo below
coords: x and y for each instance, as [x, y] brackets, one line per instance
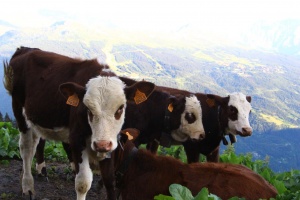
[148, 175]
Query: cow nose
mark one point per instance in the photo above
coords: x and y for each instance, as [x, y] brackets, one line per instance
[201, 137]
[247, 131]
[103, 146]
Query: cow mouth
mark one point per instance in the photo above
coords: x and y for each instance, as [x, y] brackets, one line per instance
[244, 133]
[179, 136]
[102, 155]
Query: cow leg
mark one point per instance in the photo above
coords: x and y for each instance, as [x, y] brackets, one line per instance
[68, 151]
[153, 146]
[192, 152]
[84, 177]
[40, 160]
[214, 156]
[107, 173]
[28, 143]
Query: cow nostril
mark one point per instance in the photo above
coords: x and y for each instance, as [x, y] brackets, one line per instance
[201, 137]
[247, 131]
[103, 146]
[109, 146]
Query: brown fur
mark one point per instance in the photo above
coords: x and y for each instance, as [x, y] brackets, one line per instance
[37, 81]
[149, 175]
[215, 122]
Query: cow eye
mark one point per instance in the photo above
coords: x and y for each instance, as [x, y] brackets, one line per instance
[119, 112]
[190, 117]
[232, 113]
[232, 110]
[90, 114]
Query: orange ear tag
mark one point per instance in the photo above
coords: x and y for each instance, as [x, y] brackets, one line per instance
[130, 137]
[210, 102]
[170, 107]
[139, 97]
[73, 100]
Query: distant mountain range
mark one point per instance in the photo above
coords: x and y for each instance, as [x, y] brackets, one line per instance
[188, 59]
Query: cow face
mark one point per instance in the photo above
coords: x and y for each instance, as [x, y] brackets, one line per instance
[235, 113]
[105, 99]
[191, 125]
[239, 108]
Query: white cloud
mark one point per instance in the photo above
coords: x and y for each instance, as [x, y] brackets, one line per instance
[160, 14]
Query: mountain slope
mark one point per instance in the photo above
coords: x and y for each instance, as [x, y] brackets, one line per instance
[176, 60]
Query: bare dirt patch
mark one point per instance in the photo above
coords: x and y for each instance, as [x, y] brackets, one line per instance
[60, 184]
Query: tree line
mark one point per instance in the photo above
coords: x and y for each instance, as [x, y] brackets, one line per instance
[6, 118]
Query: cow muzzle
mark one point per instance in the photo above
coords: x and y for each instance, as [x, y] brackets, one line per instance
[198, 136]
[245, 132]
[103, 146]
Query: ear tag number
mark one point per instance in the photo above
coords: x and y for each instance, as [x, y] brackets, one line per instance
[210, 102]
[73, 100]
[170, 107]
[139, 97]
[130, 137]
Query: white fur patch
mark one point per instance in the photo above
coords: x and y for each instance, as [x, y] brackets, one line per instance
[28, 142]
[39, 167]
[57, 133]
[193, 130]
[239, 101]
[84, 178]
[103, 98]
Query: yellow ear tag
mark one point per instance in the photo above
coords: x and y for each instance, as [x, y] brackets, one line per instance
[73, 100]
[170, 107]
[130, 137]
[210, 102]
[139, 97]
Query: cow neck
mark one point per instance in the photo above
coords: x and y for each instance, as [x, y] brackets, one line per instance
[123, 167]
[167, 124]
[222, 127]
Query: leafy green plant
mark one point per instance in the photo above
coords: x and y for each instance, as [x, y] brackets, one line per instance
[9, 142]
[175, 151]
[55, 151]
[179, 192]
[9, 145]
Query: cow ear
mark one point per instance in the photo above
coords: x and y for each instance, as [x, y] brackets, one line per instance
[139, 92]
[73, 92]
[213, 100]
[176, 102]
[129, 134]
[248, 98]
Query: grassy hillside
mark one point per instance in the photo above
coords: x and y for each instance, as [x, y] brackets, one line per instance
[196, 65]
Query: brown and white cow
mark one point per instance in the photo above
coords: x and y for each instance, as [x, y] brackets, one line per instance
[221, 116]
[178, 115]
[79, 102]
[161, 113]
[143, 175]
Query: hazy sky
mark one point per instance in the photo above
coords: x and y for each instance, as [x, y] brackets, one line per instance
[160, 14]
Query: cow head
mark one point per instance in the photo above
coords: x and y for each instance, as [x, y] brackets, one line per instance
[191, 126]
[105, 101]
[234, 116]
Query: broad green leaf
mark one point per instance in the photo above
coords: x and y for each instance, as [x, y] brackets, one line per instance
[280, 186]
[266, 175]
[180, 192]
[202, 195]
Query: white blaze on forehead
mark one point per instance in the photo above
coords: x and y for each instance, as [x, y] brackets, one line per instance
[103, 98]
[239, 101]
[193, 130]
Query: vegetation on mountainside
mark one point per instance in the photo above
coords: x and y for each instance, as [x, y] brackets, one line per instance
[287, 183]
